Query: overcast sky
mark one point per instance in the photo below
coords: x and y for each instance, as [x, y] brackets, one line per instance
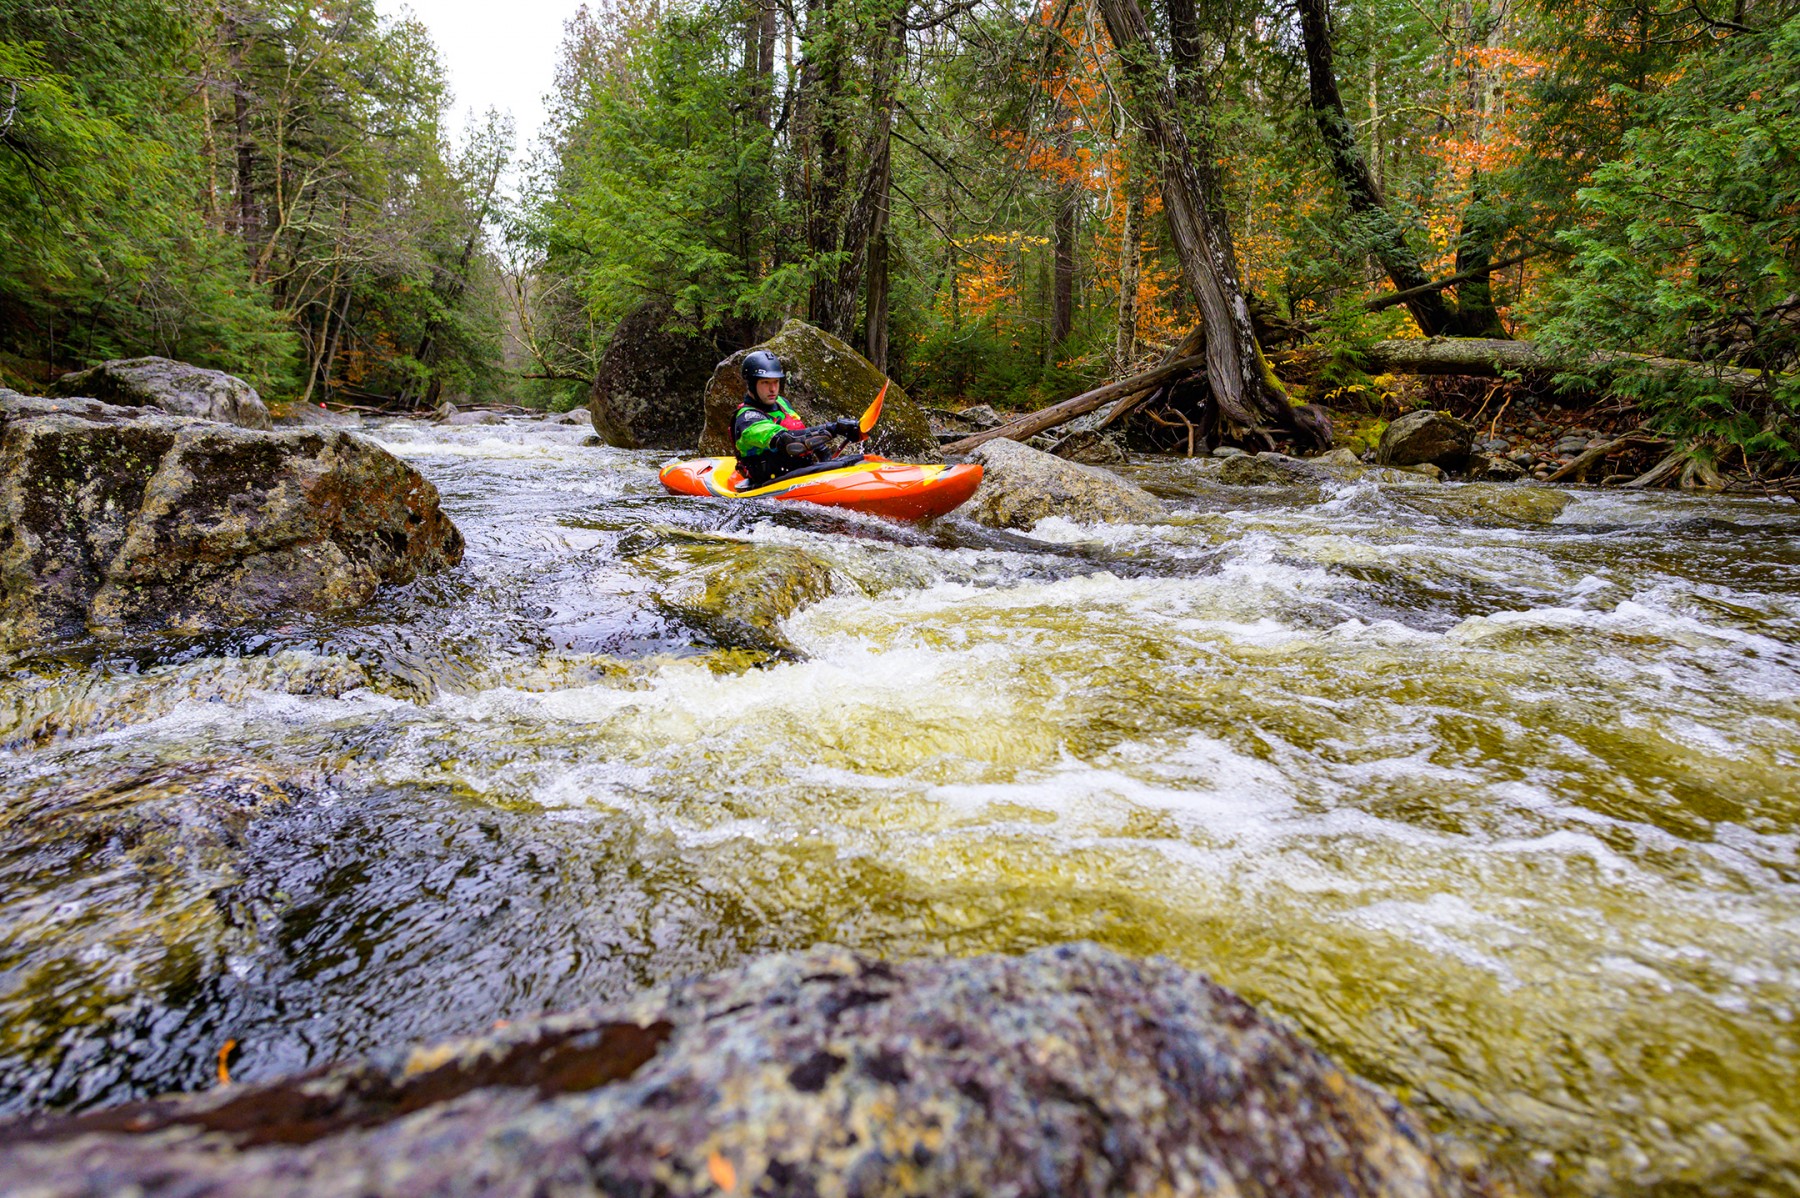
[498, 55]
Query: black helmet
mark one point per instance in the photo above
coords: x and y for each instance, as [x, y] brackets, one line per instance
[760, 364]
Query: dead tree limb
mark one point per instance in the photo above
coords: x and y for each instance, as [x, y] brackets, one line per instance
[1593, 455]
[1036, 422]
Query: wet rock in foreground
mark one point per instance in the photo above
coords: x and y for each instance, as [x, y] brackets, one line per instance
[122, 519]
[1072, 1070]
[1021, 485]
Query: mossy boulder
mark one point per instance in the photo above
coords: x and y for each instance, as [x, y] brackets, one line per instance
[826, 380]
[169, 386]
[116, 520]
[650, 389]
[1071, 1070]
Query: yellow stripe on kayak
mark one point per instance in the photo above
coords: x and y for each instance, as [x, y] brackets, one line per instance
[718, 481]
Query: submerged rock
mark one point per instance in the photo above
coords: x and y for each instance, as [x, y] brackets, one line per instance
[738, 593]
[1342, 456]
[1070, 1070]
[154, 855]
[116, 520]
[1418, 438]
[1021, 485]
[649, 390]
[826, 380]
[169, 386]
[1488, 503]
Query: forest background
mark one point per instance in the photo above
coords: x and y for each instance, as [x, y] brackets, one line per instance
[967, 190]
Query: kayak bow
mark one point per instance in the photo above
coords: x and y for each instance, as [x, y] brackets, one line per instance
[897, 490]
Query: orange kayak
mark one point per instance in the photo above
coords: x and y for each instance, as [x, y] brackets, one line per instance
[874, 485]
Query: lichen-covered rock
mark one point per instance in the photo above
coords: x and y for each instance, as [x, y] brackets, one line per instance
[119, 519]
[1342, 456]
[826, 380]
[169, 386]
[981, 417]
[1418, 438]
[649, 390]
[1021, 485]
[1068, 1071]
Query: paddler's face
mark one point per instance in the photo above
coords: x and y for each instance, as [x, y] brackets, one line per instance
[767, 390]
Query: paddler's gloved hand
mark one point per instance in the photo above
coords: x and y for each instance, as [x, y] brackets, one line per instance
[848, 429]
[792, 444]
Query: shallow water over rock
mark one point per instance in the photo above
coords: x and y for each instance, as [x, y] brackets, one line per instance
[1502, 813]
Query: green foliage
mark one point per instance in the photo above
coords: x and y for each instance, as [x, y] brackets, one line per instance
[264, 188]
[107, 255]
[666, 185]
[1690, 243]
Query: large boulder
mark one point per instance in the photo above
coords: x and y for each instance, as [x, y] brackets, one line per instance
[1428, 437]
[116, 520]
[651, 386]
[169, 386]
[1021, 485]
[826, 380]
[1070, 1070]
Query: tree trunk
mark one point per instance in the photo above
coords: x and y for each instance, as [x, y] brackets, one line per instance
[852, 232]
[1429, 309]
[1062, 312]
[1248, 399]
[1130, 268]
[875, 317]
[247, 229]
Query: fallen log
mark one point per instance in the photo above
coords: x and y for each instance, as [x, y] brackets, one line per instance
[1490, 358]
[1033, 423]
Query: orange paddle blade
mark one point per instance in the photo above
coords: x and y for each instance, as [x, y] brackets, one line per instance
[874, 413]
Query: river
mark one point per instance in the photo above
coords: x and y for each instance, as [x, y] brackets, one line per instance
[1505, 816]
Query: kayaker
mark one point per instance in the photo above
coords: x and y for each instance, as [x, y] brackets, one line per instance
[772, 440]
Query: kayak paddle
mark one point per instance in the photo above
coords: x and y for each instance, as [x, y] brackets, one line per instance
[874, 413]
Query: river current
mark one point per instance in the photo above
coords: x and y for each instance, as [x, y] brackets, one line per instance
[1503, 815]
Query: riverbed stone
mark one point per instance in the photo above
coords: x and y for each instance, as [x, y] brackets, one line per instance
[169, 386]
[649, 390]
[826, 380]
[1021, 485]
[1091, 447]
[1488, 467]
[981, 417]
[1271, 470]
[1427, 437]
[1069, 1070]
[308, 415]
[116, 520]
